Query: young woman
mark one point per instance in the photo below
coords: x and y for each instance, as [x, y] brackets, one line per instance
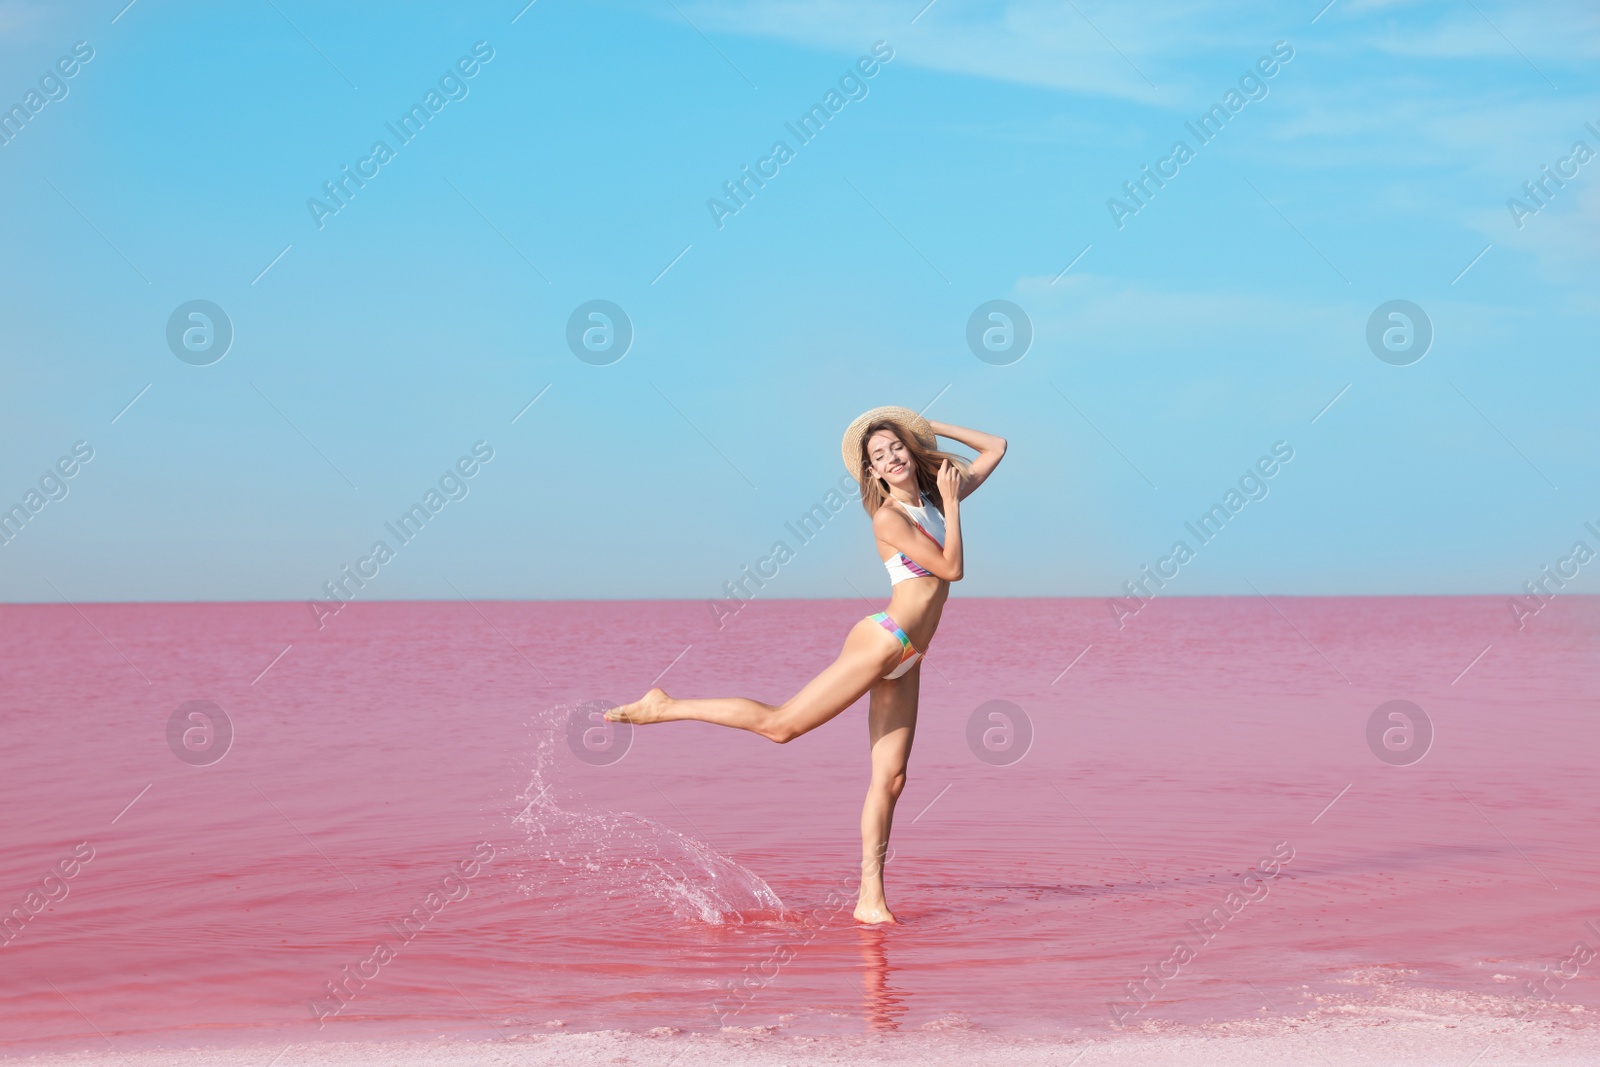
[913, 492]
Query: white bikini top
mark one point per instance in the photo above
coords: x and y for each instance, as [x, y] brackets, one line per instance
[930, 521]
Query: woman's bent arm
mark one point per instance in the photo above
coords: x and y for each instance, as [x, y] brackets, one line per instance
[897, 531]
[891, 526]
[991, 450]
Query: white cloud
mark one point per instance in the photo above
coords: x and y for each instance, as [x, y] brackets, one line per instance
[20, 21]
[1029, 42]
[1561, 237]
[1102, 50]
[1515, 34]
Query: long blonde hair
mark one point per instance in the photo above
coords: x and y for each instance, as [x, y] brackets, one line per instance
[926, 461]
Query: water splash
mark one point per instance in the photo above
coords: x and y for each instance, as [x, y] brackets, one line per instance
[635, 863]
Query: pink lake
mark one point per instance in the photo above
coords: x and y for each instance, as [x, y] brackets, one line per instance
[694, 881]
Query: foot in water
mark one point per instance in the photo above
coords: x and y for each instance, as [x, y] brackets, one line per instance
[648, 708]
[873, 912]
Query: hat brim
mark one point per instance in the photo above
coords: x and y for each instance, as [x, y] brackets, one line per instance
[906, 419]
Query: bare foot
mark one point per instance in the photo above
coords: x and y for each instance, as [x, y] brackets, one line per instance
[873, 913]
[648, 708]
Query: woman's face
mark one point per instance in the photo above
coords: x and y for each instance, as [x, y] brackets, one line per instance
[890, 459]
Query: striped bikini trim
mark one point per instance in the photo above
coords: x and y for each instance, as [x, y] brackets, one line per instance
[906, 651]
[912, 566]
[925, 532]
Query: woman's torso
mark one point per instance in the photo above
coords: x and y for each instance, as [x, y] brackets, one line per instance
[916, 603]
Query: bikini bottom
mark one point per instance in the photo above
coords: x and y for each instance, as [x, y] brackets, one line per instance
[908, 653]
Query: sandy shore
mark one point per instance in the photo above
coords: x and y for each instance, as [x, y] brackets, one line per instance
[1408, 1039]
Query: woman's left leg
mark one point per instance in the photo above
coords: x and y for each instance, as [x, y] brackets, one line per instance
[868, 654]
[891, 724]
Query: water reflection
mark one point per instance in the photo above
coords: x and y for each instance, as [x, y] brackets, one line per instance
[881, 1005]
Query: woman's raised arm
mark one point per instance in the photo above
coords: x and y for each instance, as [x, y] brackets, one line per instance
[991, 450]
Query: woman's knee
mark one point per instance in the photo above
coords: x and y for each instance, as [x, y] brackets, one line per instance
[780, 725]
[781, 732]
[891, 783]
[794, 717]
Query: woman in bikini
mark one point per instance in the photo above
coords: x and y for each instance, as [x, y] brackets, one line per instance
[913, 492]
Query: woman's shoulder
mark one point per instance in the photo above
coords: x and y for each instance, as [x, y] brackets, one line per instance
[889, 513]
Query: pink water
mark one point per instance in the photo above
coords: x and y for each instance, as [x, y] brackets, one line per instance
[1171, 758]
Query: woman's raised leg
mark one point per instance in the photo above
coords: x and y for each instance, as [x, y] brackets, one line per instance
[891, 725]
[869, 652]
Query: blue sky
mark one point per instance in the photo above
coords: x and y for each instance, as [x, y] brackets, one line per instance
[371, 353]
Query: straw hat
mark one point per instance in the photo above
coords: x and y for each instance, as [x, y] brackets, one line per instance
[907, 420]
